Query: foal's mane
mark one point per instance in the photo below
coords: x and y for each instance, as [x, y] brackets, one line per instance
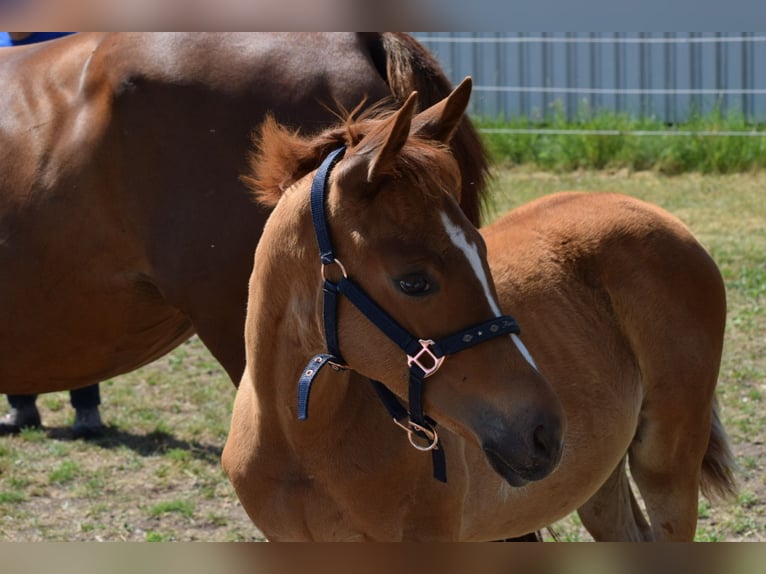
[283, 156]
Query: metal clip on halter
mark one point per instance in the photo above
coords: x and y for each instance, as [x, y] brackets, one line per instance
[415, 429]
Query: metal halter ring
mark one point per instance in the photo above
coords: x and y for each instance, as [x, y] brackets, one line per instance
[426, 351]
[339, 264]
[413, 428]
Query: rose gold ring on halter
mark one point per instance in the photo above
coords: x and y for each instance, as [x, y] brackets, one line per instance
[436, 362]
[413, 428]
[335, 262]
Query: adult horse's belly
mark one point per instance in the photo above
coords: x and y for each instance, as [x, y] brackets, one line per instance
[78, 319]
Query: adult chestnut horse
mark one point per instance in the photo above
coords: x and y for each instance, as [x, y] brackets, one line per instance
[124, 227]
[621, 308]
[413, 284]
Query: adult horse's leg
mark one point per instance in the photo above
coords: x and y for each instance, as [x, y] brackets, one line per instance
[613, 514]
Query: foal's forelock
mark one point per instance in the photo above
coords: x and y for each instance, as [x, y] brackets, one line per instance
[283, 157]
[430, 168]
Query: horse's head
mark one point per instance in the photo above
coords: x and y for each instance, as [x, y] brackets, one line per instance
[392, 222]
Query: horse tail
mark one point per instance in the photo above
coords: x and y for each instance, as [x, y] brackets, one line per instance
[717, 481]
[407, 66]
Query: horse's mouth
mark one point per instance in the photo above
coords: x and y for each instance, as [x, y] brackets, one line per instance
[501, 466]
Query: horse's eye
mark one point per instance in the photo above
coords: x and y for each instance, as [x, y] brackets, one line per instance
[415, 285]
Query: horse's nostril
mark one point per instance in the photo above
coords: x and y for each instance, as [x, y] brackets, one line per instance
[540, 438]
[545, 443]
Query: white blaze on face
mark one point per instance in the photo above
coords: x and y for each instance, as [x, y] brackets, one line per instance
[471, 252]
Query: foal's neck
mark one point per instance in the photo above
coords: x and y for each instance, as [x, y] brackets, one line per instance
[284, 327]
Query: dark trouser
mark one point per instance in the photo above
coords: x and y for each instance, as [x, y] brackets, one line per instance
[84, 398]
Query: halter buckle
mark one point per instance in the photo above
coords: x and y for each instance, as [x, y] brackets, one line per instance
[436, 362]
[413, 428]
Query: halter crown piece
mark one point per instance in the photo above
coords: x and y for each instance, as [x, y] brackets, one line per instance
[424, 356]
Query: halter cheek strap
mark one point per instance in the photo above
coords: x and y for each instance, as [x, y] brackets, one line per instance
[424, 356]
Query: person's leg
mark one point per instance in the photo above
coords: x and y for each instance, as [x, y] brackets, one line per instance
[22, 402]
[23, 414]
[87, 420]
[86, 397]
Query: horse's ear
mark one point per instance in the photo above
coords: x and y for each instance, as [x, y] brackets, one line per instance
[400, 124]
[440, 121]
[377, 151]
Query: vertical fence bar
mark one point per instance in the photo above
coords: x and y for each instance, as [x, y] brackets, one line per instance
[721, 97]
[612, 71]
[522, 77]
[618, 85]
[594, 100]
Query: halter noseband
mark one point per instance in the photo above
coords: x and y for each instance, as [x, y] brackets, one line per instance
[424, 356]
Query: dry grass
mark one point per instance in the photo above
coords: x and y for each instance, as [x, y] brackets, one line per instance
[156, 474]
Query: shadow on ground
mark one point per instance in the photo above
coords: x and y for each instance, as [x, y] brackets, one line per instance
[152, 444]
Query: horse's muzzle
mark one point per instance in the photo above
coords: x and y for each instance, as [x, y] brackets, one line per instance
[522, 457]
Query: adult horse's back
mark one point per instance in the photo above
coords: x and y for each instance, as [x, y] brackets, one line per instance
[124, 227]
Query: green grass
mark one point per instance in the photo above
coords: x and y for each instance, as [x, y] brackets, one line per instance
[182, 507]
[667, 154]
[67, 471]
[153, 536]
[12, 497]
[178, 455]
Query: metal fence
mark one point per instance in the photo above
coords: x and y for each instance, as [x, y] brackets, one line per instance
[667, 76]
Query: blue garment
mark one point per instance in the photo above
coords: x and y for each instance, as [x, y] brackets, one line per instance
[33, 38]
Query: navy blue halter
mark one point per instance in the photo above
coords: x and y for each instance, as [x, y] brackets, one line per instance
[424, 357]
